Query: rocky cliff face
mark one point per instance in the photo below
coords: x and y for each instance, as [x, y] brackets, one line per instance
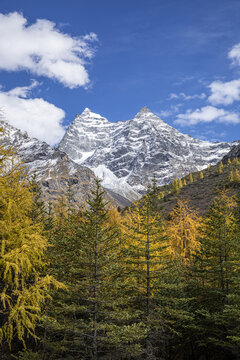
[53, 168]
[126, 154]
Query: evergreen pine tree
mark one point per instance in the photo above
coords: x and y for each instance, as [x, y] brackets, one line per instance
[217, 307]
[146, 250]
[94, 319]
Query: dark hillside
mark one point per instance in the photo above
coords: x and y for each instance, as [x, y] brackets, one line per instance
[201, 192]
[234, 153]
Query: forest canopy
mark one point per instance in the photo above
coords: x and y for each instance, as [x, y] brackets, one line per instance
[85, 281]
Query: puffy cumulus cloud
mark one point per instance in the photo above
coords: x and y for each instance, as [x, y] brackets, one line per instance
[234, 54]
[183, 96]
[207, 114]
[38, 117]
[43, 50]
[224, 93]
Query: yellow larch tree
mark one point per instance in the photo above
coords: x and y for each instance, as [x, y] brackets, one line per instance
[183, 230]
[231, 176]
[175, 185]
[190, 178]
[236, 175]
[23, 288]
[235, 161]
[220, 168]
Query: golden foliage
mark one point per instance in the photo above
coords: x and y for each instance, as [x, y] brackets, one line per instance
[23, 290]
[183, 230]
[220, 168]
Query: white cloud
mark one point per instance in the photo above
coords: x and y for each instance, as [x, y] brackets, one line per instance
[164, 113]
[234, 54]
[207, 114]
[224, 93]
[43, 50]
[183, 96]
[23, 91]
[173, 96]
[169, 112]
[221, 93]
[38, 117]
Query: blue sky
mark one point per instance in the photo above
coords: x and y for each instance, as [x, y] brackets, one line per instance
[180, 58]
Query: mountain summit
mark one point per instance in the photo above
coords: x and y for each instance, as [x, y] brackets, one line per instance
[126, 154]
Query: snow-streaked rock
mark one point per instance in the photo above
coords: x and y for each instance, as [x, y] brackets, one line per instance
[110, 181]
[133, 150]
[53, 168]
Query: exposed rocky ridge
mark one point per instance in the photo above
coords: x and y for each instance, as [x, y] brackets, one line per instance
[53, 168]
[126, 154]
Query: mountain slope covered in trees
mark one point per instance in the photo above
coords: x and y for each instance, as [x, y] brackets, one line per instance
[201, 187]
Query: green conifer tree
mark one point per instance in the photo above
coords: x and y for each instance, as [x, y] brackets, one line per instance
[219, 276]
[95, 319]
[146, 250]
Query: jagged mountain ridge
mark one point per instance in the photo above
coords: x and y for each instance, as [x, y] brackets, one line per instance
[128, 153]
[52, 167]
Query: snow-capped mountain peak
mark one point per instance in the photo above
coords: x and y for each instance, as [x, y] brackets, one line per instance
[145, 113]
[133, 150]
[147, 116]
[88, 114]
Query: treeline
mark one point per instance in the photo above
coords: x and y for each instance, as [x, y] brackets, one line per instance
[89, 282]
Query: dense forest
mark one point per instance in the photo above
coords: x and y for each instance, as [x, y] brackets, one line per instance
[86, 281]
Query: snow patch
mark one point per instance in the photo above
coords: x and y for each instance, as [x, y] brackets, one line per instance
[112, 182]
[84, 156]
[88, 112]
